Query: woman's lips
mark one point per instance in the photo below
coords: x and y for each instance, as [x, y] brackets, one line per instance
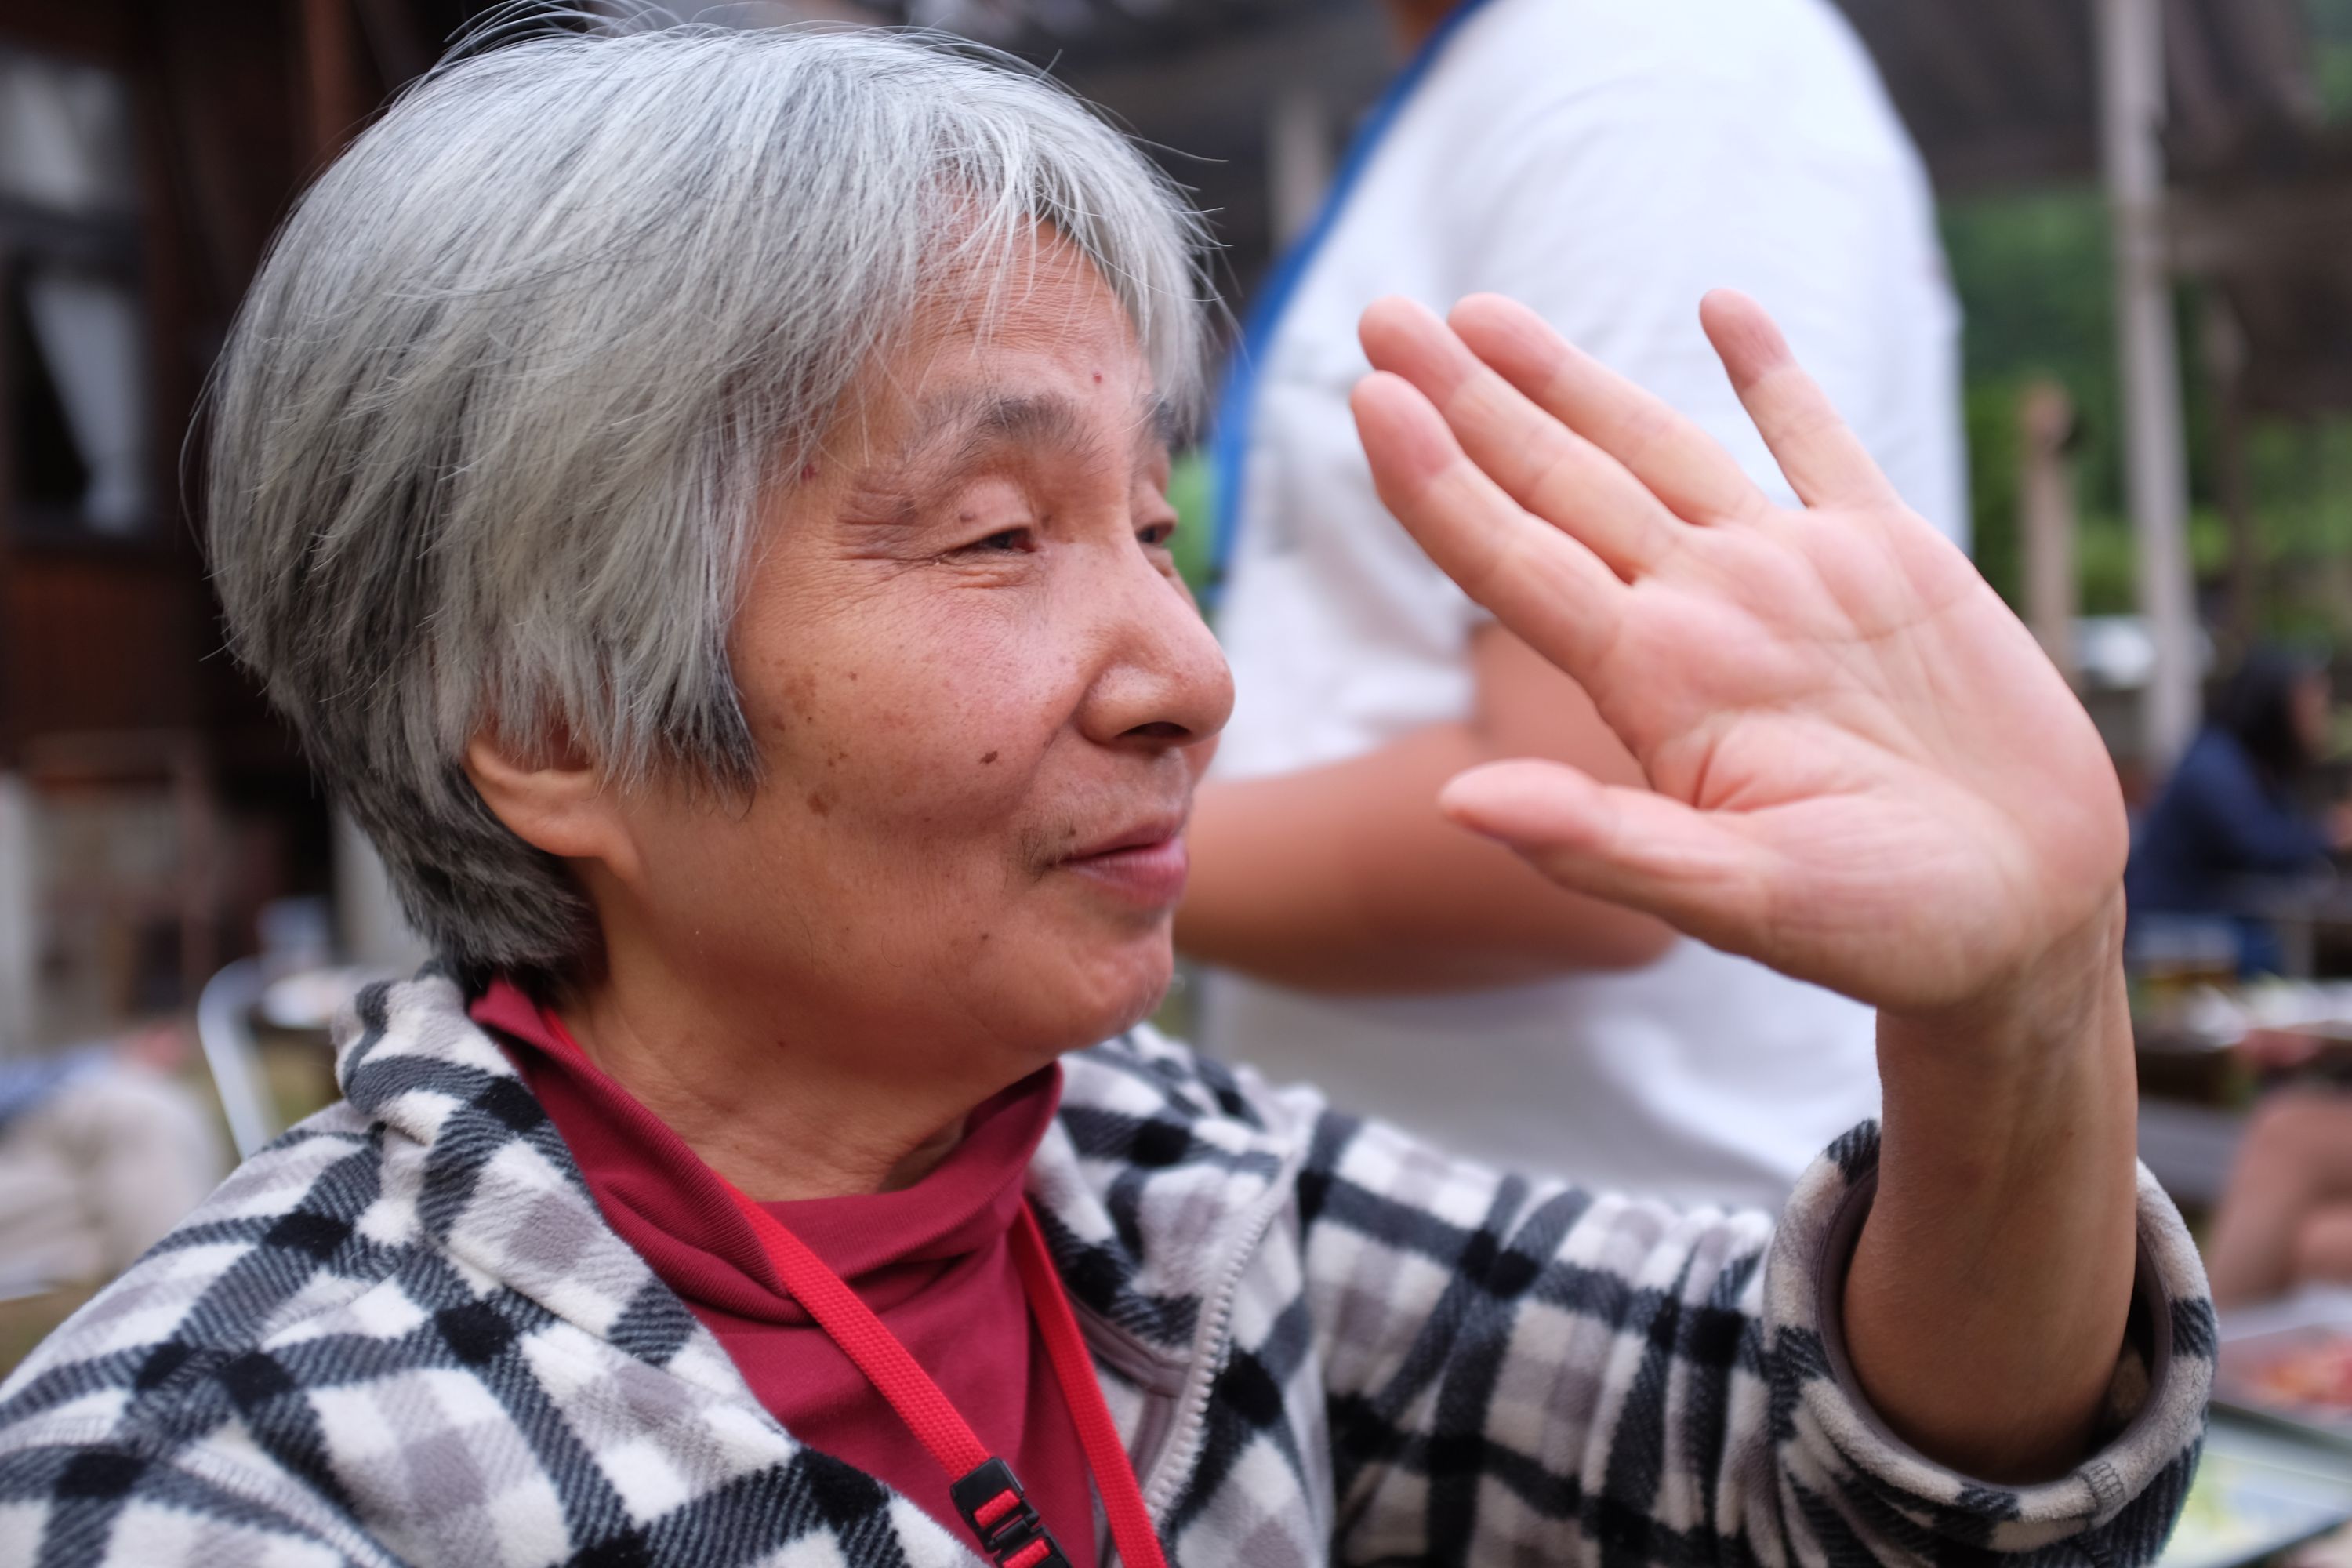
[1150, 874]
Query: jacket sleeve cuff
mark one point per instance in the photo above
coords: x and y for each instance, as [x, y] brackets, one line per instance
[1860, 1477]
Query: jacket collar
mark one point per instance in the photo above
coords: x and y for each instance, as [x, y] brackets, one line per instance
[492, 1183]
[1153, 1183]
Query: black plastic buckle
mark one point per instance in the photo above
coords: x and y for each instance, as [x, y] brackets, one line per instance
[1013, 1527]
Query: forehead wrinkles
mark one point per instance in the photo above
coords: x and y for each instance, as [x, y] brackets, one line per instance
[962, 428]
[1037, 293]
[1047, 304]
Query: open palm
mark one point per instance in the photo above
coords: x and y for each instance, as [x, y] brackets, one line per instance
[1863, 770]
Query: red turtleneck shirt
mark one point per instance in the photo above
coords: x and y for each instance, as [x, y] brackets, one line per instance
[934, 1261]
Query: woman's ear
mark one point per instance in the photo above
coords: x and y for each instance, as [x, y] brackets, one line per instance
[553, 798]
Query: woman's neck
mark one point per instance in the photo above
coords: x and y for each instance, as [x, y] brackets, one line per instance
[780, 1123]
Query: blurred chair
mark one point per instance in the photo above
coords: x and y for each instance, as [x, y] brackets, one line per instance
[293, 987]
[224, 1029]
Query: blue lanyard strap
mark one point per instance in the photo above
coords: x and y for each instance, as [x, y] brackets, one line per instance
[1229, 446]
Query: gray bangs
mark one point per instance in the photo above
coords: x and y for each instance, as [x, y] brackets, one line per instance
[490, 437]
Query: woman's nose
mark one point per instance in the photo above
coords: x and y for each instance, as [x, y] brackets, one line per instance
[1163, 681]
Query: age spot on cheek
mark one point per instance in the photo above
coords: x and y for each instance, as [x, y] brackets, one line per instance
[800, 696]
[819, 804]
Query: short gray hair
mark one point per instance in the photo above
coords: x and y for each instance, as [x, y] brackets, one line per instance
[492, 433]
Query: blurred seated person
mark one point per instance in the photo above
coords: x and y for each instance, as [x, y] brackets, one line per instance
[101, 1151]
[2287, 1219]
[2230, 811]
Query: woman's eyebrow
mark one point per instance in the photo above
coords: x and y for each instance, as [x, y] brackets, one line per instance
[953, 433]
[1044, 420]
[959, 430]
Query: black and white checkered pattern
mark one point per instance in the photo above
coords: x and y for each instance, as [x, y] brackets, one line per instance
[403, 1334]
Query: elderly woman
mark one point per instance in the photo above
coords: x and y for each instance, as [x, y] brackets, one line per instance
[698, 496]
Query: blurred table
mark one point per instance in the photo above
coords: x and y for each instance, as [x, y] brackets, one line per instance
[2276, 1480]
[2298, 909]
[2259, 1493]
[2206, 1052]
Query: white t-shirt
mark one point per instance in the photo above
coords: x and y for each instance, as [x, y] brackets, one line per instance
[1608, 162]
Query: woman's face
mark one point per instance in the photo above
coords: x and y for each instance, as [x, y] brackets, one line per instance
[981, 697]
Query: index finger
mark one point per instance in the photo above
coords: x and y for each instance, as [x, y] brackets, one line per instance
[1540, 582]
[1681, 464]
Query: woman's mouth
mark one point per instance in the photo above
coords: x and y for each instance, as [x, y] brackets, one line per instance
[1146, 867]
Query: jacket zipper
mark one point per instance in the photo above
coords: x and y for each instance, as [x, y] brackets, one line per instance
[1174, 1461]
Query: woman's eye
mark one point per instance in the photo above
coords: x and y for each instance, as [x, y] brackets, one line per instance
[1016, 539]
[1158, 536]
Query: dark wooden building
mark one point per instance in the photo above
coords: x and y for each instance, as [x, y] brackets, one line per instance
[149, 804]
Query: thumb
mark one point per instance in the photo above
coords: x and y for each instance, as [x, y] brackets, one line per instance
[1631, 847]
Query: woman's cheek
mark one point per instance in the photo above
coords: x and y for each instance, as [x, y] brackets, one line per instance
[1002, 687]
[954, 743]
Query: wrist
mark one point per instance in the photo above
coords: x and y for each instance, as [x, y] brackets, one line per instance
[2002, 1239]
[2067, 993]
[1987, 1090]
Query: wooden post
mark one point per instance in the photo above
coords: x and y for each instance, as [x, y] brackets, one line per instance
[332, 100]
[2225, 364]
[2156, 464]
[1297, 161]
[2046, 519]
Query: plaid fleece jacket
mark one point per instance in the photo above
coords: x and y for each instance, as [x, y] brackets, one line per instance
[405, 1334]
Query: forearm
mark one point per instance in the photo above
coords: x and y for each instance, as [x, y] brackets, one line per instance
[1986, 1302]
[1346, 878]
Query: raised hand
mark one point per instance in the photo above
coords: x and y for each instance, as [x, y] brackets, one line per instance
[1864, 771]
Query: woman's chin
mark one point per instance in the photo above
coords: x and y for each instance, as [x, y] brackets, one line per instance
[1114, 989]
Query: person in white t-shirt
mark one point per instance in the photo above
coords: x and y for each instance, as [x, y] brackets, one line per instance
[1607, 164]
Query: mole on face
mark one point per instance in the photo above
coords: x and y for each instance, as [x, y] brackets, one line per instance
[819, 804]
[988, 759]
[808, 470]
[1098, 378]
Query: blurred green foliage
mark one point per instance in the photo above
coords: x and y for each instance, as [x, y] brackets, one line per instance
[1188, 492]
[2033, 271]
[2331, 31]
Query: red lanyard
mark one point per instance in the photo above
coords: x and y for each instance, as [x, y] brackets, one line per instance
[983, 1488]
